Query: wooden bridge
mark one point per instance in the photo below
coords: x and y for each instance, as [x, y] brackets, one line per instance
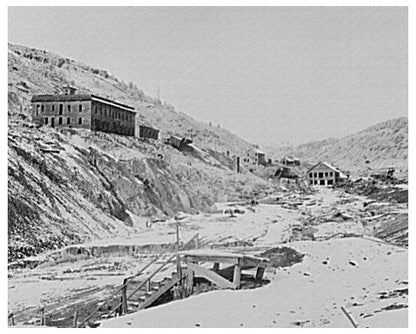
[137, 293]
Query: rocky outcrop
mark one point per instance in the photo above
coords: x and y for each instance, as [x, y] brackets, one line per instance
[72, 185]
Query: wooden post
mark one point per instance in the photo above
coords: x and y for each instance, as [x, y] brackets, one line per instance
[237, 275]
[216, 266]
[75, 319]
[197, 242]
[260, 273]
[190, 282]
[120, 307]
[43, 316]
[124, 297]
[178, 258]
[11, 316]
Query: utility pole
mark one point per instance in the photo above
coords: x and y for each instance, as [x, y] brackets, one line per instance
[178, 259]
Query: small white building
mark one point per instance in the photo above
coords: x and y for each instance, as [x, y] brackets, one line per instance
[325, 174]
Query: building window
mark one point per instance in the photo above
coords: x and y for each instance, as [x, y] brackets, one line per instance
[68, 121]
[331, 174]
[315, 175]
[61, 109]
[53, 107]
[42, 108]
[322, 182]
[80, 121]
[321, 175]
[330, 182]
[37, 107]
[310, 175]
[95, 110]
[80, 108]
[69, 108]
[326, 174]
[60, 121]
[46, 120]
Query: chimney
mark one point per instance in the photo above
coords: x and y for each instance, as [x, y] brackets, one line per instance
[69, 90]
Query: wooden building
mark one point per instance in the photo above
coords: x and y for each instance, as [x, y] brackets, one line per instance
[148, 132]
[254, 158]
[178, 142]
[290, 161]
[324, 174]
[86, 111]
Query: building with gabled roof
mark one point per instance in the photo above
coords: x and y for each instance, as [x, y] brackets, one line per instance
[325, 174]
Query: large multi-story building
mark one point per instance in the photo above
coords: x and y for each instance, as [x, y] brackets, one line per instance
[86, 111]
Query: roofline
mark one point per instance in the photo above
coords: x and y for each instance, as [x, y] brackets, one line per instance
[54, 97]
[326, 164]
[112, 101]
[329, 166]
[80, 97]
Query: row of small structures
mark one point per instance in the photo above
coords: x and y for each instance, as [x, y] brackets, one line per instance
[96, 113]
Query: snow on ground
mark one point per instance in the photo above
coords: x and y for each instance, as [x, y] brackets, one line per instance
[348, 272]
[345, 272]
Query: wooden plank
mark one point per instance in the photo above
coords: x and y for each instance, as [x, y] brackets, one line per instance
[212, 259]
[211, 276]
[155, 296]
[349, 317]
[75, 319]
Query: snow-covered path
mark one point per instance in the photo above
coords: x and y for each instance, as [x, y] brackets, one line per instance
[348, 272]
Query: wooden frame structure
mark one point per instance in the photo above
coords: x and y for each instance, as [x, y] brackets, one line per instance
[238, 261]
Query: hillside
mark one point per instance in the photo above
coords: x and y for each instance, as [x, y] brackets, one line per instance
[382, 145]
[33, 71]
[70, 185]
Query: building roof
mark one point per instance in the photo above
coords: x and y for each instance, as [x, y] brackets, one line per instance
[289, 158]
[80, 97]
[255, 150]
[341, 174]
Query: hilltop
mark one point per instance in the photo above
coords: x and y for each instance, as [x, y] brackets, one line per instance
[382, 145]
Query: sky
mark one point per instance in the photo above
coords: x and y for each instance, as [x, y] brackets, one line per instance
[271, 75]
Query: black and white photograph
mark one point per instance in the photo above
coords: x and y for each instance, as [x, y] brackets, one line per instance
[206, 166]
